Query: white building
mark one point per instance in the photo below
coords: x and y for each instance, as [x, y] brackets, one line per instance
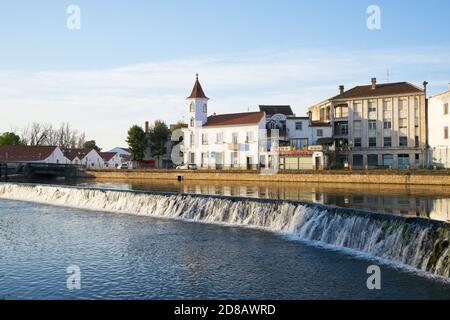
[111, 159]
[297, 132]
[377, 125]
[246, 140]
[88, 158]
[438, 130]
[227, 141]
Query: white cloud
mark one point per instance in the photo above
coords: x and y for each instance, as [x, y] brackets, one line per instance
[105, 103]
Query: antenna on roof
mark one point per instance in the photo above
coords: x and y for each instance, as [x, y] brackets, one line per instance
[196, 76]
[388, 75]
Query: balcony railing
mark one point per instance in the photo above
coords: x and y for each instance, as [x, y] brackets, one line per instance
[233, 146]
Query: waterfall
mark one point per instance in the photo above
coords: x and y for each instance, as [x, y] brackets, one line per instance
[414, 242]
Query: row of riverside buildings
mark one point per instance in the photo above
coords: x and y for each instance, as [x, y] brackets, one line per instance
[388, 125]
[87, 158]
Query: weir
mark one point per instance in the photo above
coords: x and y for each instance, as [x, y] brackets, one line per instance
[414, 242]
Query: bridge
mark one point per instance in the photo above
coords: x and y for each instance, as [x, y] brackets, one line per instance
[34, 169]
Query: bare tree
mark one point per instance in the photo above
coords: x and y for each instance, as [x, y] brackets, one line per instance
[38, 134]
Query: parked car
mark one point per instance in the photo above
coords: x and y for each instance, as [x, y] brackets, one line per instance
[187, 167]
[124, 166]
[182, 167]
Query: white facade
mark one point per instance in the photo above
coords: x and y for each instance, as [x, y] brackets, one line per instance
[57, 157]
[230, 141]
[111, 162]
[438, 130]
[93, 160]
[299, 132]
[224, 147]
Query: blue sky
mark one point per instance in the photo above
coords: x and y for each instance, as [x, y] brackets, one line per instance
[136, 60]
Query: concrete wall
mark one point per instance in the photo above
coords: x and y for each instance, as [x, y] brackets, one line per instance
[375, 177]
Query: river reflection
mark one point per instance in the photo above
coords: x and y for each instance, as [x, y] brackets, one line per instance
[418, 201]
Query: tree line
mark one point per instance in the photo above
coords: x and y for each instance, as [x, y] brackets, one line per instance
[153, 141]
[45, 134]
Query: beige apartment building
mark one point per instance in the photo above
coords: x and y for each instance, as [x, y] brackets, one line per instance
[377, 125]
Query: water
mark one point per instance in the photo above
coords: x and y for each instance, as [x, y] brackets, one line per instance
[124, 256]
[431, 202]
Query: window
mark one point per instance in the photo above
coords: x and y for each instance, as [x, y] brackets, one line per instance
[192, 107]
[417, 159]
[387, 125]
[204, 138]
[192, 122]
[372, 160]
[446, 109]
[299, 126]
[372, 142]
[358, 143]
[357, 110]
[204, 162]
[403, 141]
[319, 132]
[387, 109]
[219, 137]
[235, 138]
[403, 123]
[446, 133]
[388, 141]
[341, 128]
[388, 160]
[205, 108]
[357, 125]
[341, 111]
[403, 109]
[358, 160]
[372, 107]
[372, 125]
[234, 159]
[416, 141]
[249, 137]
[416, 111]
[191, 140]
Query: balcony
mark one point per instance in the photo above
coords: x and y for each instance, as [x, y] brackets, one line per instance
[233, 146]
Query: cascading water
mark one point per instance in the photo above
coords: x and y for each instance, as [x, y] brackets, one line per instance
[414, 242]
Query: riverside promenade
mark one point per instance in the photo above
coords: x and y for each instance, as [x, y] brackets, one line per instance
[416, 177]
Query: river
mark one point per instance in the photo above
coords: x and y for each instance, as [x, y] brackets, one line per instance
[157, 252]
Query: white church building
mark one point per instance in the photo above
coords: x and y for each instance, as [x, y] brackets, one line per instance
[227, 141]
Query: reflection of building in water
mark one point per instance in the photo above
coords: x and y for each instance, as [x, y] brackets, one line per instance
[404, 205]
[439, 209]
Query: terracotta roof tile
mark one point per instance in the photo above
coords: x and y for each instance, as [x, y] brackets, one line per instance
[107, 155]
[72, 153]
[385, 89]
[234, 119]
[25, 153]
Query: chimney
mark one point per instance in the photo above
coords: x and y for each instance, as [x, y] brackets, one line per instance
[146, 127]
[341, 89]
[425, 84]
[374, 83]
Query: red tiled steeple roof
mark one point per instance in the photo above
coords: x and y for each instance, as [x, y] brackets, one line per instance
[197, 91]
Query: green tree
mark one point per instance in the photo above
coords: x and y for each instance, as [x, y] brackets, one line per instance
[159, 135]
[92, 145]
[137, 142]
[10, 139]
